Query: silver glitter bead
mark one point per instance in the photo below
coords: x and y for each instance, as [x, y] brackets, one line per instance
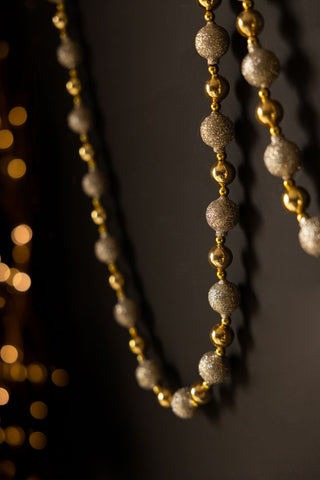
[212, 42]
[148, 374]
[106, 250]
[260, 67]
[125, 312]
[182, 404]
[93, 184]
[222, 215]
[282, 158]
[224, 297]
[217, 131]
[79, 120]
[213, 368]
[69, 54]
[309, 236]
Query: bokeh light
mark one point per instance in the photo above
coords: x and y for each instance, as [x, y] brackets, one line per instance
[4, 49]
[4, 272]
[7, 468]
[21, 282]
[13, 272]
[4, 396]
[18, 372]
[37, 373]
[16, 168]
[21, 253]
[60, 377]
[17, 116]
[2, 302]
[21, 234]
[9, 354]
[6, 139]
[14, 436]
[2, 439]
[38, 410]
[38, 440]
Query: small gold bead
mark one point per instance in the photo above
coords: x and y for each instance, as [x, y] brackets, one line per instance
[86, 152]
[96, 203]
[275, 131]
[225, 321]
[213, 69]
[99, 216]
[102, 228]
[77, 100]
[60, 6]
[60, 20]
[220, 351]
[288, 184]
[116, 281]
[200, 393]
[73, 72]
[209, 4]
[164, 397]
[269, 112]
[252, 41]
[221, 335]
[74, 86]
[208, 16]
[112, 268]
[120, 293]
[137, 345]
[215, 107]
[296, 199]
[247, 4]
[249, 23]
[223, 191]
[222, 172]
[141, 358]
[220, 256]
[220, 156]
[63, 34]
[83, 138]
[133, 332]
[156, 389]
[264, 93]
[91, 163]
[216, 88]
[302, 216]
[221, 274]
[220, 240]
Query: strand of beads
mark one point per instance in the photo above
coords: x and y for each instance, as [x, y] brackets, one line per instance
[282, 158]
[222, 215]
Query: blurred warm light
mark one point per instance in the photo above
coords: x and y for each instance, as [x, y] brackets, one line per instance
[9, 354]
[13, 272]
[2, 440]
[2, 302]
[4, 49]
[4, 396]
[18, 372]
[14, 436]
[21, 253]
[17, 116]
[16, 168]
[21, 282]
[60, 377]
[39, 410]
[21, 234]
[4, 272]
[6, 139]
[37, 440]
[7, 468]
[37, 373]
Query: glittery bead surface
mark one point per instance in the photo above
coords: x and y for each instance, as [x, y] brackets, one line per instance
[282, 158]
[217, 131]
[125, 312]
[79, 120]
[106, 250]
[212, 42]
[309, 236]
[222, 215]
[182, 404]
[148, 374]
[260, 67]
[213, 368]
[69, 54]
[93, 184]
[224, 297]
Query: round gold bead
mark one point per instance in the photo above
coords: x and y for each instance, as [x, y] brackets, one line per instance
[288, 183]
[215, 107]
[213, 69]
[220, 240]
[247, 4]
[200, 393]
[220, 256]
[252, 41]
[223, 191]
[208, 16]
[221, 274]
[99, 215]
[221, 335]
[275, 131]
[296, 199]
[249, 23]
[269, 112]
[223, 173]
[60, 20]
[74, 86]
[137, 345]
[264, 93]
[220, 156]
[216, 88]
[209, 4]
[164, 397]
[302, 216]
[133, 332]
[86, 152]
[116, 281]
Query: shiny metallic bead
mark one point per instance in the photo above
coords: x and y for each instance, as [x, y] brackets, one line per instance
[260, 67]
[221, 335]
[60, 20]
[125, 312]
[220, 256]
[212, 42]
[182, 404]
[250, 23]
[106, 249]
[69, 53]
[296, 199]
[214, 368]
[99, 215]
[269, 112]
[217, 131]
[86, 152]
[148, 374]
[223, 172]
[282, 158]
[137, 345]
[93, 184]
[79, 120]
[73, 86]
[222, 215]
[200, 393]
[309, 235]
[116, 281]
[216, 88]
[209, 4]
[224, 297]
[164, 396]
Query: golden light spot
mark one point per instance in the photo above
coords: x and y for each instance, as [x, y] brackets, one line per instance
[4, 50]
[21, 282]
[38, 440]
[14, 436]
[2, 302]
[17, 116]
[21, 254]
[18, 372]
[39, 410]
[8, 468]
[4, 396]
[16, 168]
[4, 272]
[13, 272]
[2, 438]
[60, 377]
[21, 234]
[9, 353]
[6, 139]
[37, 373]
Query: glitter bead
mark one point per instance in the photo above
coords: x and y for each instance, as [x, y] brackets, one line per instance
[93, 184]
[222, 215]
[182, 404]
[224, 298]
[69, 54]
[212, 42]
[125, 312]
[79, 120]
[282, 158]
[106, 250]
[148, 374]
[260, 67]
[217, 131]
[309, 236]
[213, 368]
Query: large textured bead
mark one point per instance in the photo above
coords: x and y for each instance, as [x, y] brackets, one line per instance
[217, 131]
[125, 312]
[213, 368]
[309, 236]
[79, 120]
[69, 54]
[93, 184]
[148, 374]
[282, 158]
[212, 42]
[224, 297]
[260, 67]
[106, 250]
[182, 404]
[222, 215]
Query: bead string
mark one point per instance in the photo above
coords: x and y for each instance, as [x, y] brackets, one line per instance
[282, 158]
[222, 215]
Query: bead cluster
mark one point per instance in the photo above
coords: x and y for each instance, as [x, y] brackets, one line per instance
[282, 158]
